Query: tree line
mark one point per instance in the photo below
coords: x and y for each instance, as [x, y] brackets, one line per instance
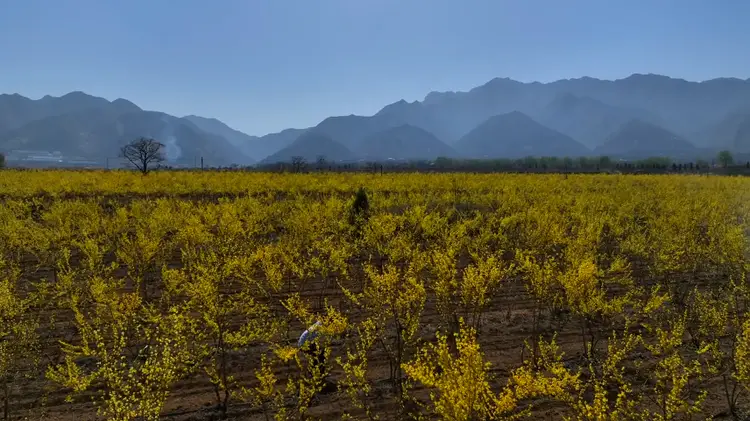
[145, 154]
[724, 161]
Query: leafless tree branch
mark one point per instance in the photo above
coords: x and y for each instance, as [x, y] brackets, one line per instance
[143, 153]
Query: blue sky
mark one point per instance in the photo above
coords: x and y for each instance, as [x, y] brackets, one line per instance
[264, 65]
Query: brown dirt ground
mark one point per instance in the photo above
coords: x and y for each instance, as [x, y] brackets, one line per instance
[505, 328]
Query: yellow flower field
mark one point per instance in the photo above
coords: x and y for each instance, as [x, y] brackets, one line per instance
[181, 295]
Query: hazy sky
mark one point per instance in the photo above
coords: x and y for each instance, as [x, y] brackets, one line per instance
[264, 65]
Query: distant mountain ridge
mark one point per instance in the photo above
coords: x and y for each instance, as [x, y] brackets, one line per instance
[589, 120]
[17, 110]
[638, 138]
[590, 112]
[405, 142]
[681, 105]
[81, 125]
[515, 135]
[586, 109]
[239, 140]
[310, 146]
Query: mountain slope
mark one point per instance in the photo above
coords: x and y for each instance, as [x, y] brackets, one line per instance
[683, 106]
[638, 139]
[185, 142]
[721, 134]
[413, 113]
[81, 125]
[454, 114]
[679, 105]
[589, 120]
[586, 109]
[242, 141]
[212, 125]
[741, 140]
[310, 145]
[255, 148]
[88, 134]
[17, 111]
[515, 135]
[404, 142]
[351, 130]
[265, 146]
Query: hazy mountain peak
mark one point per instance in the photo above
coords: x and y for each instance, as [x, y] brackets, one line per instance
[214, 125]
[586, 109]
[436, 96]
[641, 139]
[77, 94]
[243, 142]
[84, 126]
[402, 103]
[339, 117]
[405, 129]
[588, 120]
[310, 145]
[404, 142]
[208, 119]
[285, 131]
[347, 129]
[720, 80]
[515, 115]
[498, 84]
[502, 81]
[650, 76]
[514, 135]
[123, 105]
[656, 81]
[14, 95]
[401, 107]
[76, 101]
[514, 118]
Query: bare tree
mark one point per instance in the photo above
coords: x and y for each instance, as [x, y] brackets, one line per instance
[298, 163]
[143, 153]
[321, 162]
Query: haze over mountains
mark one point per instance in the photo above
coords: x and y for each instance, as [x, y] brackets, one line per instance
[635, 117]
[84, 126]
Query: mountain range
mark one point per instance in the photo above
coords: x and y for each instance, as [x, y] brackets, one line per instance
[83, 126]
[638, 116]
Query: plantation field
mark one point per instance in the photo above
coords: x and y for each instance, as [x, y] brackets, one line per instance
[181, 296]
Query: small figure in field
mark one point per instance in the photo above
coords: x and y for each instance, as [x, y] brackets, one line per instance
[316, 355]
[314, 351]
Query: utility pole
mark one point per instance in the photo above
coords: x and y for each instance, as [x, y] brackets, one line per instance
[201, 163]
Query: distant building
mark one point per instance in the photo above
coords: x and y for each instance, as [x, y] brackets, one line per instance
[37, 158]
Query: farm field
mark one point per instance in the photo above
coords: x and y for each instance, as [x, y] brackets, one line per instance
[181, 296]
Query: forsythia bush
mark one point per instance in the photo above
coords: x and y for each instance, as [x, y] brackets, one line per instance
[440, 296]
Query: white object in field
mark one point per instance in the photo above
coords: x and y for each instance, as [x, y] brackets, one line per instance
[309, 334]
